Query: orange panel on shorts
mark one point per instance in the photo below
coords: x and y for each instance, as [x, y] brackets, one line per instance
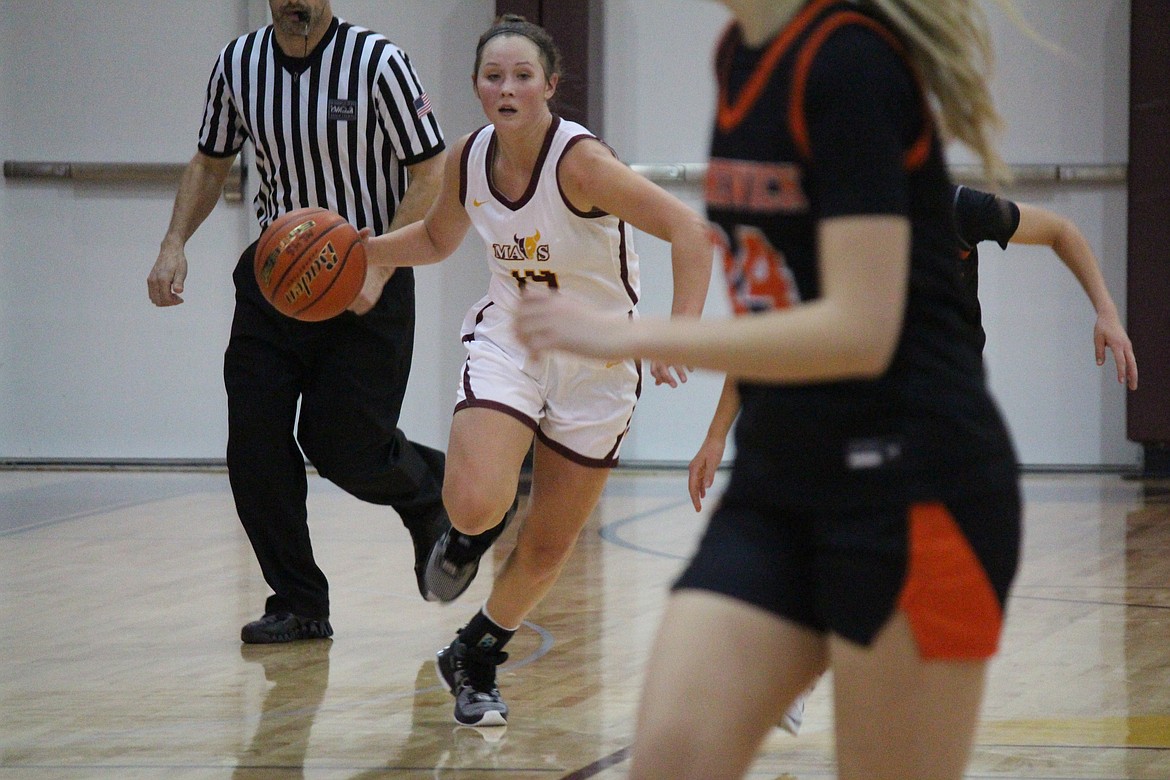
[953, 610]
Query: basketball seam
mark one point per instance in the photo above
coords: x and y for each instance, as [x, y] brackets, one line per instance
[294, 268]
[342, 262]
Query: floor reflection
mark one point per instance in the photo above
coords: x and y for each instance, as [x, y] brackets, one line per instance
[299, 674]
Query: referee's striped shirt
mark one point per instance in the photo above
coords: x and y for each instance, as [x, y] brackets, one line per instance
[334, 129]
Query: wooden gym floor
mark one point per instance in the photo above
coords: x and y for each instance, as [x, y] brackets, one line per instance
[122, 594]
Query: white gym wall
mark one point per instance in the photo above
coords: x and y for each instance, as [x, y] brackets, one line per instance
[90, 370]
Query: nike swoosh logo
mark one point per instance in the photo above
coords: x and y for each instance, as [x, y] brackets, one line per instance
[614, 363]
[477, 203]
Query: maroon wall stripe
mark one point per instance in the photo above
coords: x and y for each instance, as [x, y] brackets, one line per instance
[569, 23]
[1148, 285]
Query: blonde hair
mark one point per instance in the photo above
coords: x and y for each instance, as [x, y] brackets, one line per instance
[950, 44]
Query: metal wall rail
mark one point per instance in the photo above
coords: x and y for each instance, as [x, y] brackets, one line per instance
[118, 173]
[685, 173]
[663, 173]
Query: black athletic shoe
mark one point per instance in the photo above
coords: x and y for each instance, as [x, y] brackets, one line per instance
[451, 567]
[470, 674]
[277, 627]
[454, 561]
[425, 535]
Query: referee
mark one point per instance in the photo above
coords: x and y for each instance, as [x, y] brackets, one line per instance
[338, 119]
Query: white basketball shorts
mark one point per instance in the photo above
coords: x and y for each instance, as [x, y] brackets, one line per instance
[579, 407]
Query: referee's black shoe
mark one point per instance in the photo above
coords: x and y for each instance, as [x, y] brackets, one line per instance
[278, 627]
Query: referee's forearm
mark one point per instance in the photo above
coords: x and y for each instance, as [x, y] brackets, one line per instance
[199, 190]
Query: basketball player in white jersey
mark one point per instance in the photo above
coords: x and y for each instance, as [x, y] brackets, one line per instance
[556, 209]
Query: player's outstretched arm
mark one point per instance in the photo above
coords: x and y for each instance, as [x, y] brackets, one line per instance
[425, 182]
[432, 238]
[593, 177]
[1039, 226]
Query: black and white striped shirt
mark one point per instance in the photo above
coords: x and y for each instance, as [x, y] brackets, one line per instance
[334, 129]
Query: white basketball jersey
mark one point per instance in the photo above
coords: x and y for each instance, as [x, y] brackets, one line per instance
[540, 238]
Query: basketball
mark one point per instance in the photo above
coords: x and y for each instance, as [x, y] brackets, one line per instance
[310, 264]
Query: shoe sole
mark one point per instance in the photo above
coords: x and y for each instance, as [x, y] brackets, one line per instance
[490, 719]
[793, 718]
[279, 639]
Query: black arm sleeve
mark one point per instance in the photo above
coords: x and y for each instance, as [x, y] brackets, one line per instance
[983, 216]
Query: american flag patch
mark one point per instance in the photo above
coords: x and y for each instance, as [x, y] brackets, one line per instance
[422, 105]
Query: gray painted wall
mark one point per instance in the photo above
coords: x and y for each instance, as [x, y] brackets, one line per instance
[90, 369]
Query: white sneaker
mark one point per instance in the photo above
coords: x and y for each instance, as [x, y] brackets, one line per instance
[794, 716]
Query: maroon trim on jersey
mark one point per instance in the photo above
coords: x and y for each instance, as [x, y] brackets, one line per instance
[594, 212]
[533, 179]
[730, 115]
[463, 158]
[623, 256]
[623, 249]
[638, 389]
[478, 319]
[919, 151]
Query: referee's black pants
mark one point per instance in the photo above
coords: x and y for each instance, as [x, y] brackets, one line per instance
[349, 375]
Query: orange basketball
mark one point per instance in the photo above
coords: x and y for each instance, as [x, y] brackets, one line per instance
[310, 264]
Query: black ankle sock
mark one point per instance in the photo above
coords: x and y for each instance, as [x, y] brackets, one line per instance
[482, 632]
[472, 546]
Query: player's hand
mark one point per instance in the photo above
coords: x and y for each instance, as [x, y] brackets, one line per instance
[662, 373]
[701, 472]
[547, 321]
[165, 282]
[376, 278]
[1109, 332]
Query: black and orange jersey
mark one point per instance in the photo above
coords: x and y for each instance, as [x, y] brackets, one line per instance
[829, 119]
[980, 216]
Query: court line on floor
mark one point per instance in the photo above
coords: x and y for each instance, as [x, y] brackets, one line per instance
[610, 531]
[600, 765]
